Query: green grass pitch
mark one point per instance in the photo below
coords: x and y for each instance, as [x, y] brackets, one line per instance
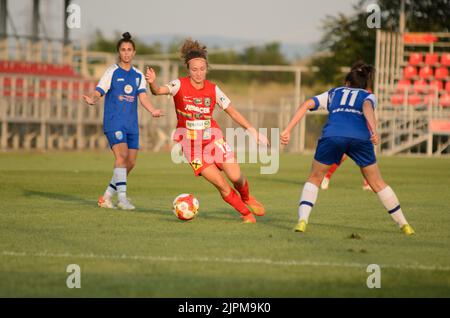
[49, 219]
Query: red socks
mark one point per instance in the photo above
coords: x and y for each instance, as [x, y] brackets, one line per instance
[236, 202]
[332, 170]
[243, 191]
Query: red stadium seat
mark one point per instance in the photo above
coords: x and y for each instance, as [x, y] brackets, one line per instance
[415, 59]
[426, 72]
[403, 85]
[409, 72]
[420, 86]
[447, 86]
[435, 86]
[419, 38]
[430, 99]
[431, 59]
[445, 59]
[445, 100]
[397, 99]
[441, 73]
[414, 99]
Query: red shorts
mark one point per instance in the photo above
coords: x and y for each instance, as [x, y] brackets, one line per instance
[214, 153]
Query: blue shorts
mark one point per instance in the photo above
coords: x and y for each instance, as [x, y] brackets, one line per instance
[331, 149]
[119, 136]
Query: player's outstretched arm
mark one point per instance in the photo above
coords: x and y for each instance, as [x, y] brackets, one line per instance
[147, 104]
[371, 121]
[92, 99]
[150, 77]
[301, 111]
[240, 120]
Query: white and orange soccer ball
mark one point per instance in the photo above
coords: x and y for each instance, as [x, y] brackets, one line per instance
[185, 206]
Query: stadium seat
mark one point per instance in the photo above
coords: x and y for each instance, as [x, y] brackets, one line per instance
[397, 99]
[403, 85]
[441, 73]
[430, 99]
[426, 72]
[409, 72]
[445, 59]
[431, 59]
[7, 83]
[414, 99]
[435, 85]
[415, 59]
[420, 86]
[447, 86]
[445, 100]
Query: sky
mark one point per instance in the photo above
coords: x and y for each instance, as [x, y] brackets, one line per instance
[286, 21]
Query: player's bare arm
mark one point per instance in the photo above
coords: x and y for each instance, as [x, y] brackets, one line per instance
[369, 114]
[240, 120]
[147, 104]
[301, 111]
[92, 99]
[150, 77]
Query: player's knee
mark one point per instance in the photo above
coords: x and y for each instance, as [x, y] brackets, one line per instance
[131, 164]
[122, 159]
[378, 185]
[237, 178]
[316, 177]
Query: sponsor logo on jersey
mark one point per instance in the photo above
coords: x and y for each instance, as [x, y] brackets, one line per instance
[191, 134]
[197, 101]
[126, 98]
[193, 108]
[196, 164]
[119, 135]
[207, 134]
[207, 102]
[198, 124]
[128, 89]
[120, 79]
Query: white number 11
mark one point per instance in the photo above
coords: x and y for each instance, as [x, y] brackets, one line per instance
[345, 96]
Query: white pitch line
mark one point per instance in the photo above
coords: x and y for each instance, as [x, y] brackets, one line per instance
[221, 260]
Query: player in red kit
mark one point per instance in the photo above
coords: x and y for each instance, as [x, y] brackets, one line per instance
[199, 134]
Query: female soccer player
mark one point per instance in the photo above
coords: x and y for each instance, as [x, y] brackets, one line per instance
[122, 85]
[199, 134]
[350, 129]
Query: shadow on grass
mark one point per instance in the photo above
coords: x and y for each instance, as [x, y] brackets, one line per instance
[352, 228]
[278, 180]
[60, 197]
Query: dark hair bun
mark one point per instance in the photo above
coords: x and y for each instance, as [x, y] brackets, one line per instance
[126, 35]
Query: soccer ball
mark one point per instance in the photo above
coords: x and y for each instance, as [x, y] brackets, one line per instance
[185, 206]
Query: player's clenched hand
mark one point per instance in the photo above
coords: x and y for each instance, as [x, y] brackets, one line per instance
[157, 113]
[374, 138]
[89, 100]
[150, 75]
[259, 138]
[285, 137]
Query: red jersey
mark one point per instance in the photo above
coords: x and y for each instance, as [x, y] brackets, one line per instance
[195, 107]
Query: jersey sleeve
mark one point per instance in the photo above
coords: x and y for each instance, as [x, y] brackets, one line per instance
[174, 86]
[104, 83]
[221, 99]
[372, 99]
[142, 85]
[320, 101]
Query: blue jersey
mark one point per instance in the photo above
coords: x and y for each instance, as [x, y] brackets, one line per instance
[121, 89]
[345, 108]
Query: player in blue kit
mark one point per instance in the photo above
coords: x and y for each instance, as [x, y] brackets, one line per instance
[122, 85]
[351, 130]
